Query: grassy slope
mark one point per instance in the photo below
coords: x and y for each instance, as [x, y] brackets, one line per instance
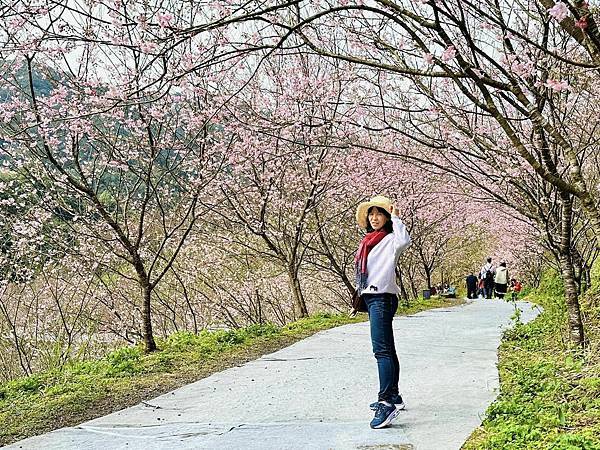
[86, 389]
[549, 394]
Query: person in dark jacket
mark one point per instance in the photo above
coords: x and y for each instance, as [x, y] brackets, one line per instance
[471, 286]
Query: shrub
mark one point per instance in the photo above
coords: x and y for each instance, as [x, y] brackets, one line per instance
[124, 361]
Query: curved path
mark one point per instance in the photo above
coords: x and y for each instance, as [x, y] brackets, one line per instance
[315, 393]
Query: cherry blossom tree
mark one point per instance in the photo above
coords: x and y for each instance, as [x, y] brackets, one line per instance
[110, 141]
[196, 159]
[486, 72]
[283, 162]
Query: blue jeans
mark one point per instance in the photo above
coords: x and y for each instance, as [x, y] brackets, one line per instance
[488, 291]
[382, 308]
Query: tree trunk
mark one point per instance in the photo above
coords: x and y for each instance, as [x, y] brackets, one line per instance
[576, 333]
[144, 282]
[427, 276]
[149, 343]
[565, 252]
[412, 284]
[403, 293]
[586, 279]
[300, 309]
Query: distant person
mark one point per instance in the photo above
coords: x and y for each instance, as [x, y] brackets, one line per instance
[487, 275]
[451, 292]
[480, 292]
[376, 261]
[515, 287]
[471, 282]
[501, 280]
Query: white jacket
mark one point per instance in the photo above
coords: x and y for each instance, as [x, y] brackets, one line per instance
[501, 275]
[382, 260]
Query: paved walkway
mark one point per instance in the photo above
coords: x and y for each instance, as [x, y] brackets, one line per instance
[315, 393]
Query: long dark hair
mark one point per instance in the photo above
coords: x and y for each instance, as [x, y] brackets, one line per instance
[388, 225]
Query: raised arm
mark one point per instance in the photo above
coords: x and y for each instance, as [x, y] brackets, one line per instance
[401, 236]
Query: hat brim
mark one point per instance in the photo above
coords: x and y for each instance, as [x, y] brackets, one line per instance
[362, 211]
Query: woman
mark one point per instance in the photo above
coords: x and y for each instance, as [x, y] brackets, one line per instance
[501, 280]
[376, 262]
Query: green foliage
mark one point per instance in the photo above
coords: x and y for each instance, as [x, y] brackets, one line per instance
[23, 386]
[551, 284]
[210, 342]
[595, 276]
[318, 321]
[550, 394]
[265, 329]
[124, 361]
[180, 341]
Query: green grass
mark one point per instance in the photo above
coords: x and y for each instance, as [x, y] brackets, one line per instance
[549, 392]
[82, 390]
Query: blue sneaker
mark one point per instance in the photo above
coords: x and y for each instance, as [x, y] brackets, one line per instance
[384, 415]
[397, 400]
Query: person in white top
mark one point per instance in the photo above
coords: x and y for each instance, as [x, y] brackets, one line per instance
[501, 280]
[487, 275]
[376, 262]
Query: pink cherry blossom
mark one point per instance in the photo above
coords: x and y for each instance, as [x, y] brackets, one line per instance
[557, 85]
[449, 54]
[428, 58]
[148, 47]
[164, 20]
[559, 11]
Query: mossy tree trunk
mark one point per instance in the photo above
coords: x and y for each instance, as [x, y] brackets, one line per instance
[576, 332]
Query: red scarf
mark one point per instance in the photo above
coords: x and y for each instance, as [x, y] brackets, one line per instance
[360, 261]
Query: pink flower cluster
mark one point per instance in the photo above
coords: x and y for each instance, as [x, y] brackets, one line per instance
[148, 47]
[559, 11]
[449, 54]
[519, 65]
[164, 20]
[557, 85]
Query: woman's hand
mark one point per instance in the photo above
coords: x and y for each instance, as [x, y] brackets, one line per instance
[394, 210]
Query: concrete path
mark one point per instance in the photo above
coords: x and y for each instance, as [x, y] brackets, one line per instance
[315, 393]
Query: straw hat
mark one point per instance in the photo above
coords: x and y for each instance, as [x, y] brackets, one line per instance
[363, 209]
